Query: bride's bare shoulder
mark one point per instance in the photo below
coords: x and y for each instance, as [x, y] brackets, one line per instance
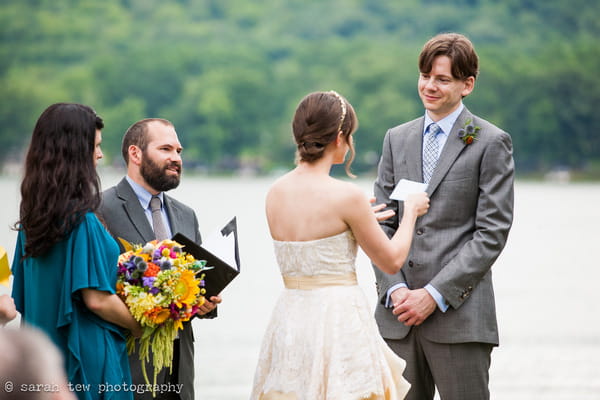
[349, 188]
[296, 185]
[279, 184]
[283, 188]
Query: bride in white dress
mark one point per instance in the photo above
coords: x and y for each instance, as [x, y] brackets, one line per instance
[322, 341]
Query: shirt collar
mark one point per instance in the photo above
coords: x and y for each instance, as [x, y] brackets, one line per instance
[445, 123]
[142, 194]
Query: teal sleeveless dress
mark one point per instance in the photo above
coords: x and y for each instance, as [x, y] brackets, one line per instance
[47, 293]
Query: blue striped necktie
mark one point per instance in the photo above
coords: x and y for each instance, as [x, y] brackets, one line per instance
[431, 151]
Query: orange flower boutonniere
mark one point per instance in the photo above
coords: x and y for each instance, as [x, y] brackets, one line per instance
[468, 133]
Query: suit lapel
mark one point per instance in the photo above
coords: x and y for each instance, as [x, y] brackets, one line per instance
[176, 218]
[134, 210]
[414, 158]
[452, 149]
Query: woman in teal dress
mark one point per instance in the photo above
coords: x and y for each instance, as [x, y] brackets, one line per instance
[65, 261]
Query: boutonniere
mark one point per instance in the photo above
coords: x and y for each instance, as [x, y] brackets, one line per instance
[468, 132]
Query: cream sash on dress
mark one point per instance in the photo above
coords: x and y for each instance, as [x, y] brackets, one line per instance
[319, 281]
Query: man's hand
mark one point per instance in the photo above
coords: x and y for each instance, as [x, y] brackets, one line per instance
[208, 306]
[412, 306]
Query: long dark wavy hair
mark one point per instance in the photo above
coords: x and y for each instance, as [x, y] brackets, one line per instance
[60, 182]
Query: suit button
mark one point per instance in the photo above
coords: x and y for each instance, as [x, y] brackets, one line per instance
[410, 263]
[419, 232]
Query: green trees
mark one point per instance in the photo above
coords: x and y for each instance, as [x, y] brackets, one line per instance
[229, 73]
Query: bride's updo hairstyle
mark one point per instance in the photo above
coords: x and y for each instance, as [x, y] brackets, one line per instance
[318, 119]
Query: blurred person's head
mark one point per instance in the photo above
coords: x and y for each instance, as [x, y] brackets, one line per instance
[318, 121]
[152, 152]
[60, 182]
[31, 367]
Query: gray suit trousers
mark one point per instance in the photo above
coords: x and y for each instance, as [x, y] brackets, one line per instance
[459, 371]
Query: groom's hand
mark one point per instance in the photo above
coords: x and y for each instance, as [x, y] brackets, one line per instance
[413, 306]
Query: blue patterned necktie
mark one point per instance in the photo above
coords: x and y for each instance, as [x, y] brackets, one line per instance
[431, 150]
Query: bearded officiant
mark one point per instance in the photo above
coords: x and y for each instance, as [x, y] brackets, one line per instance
[138, 210]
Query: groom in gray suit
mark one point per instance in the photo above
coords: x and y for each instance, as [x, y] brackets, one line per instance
[438, 312]
[152, 153]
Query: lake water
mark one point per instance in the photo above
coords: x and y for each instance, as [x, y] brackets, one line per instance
[546, 283]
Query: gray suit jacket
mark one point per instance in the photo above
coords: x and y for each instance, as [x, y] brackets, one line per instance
[125, 218]
[458, 240]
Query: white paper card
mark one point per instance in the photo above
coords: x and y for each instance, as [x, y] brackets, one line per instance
[406, 187]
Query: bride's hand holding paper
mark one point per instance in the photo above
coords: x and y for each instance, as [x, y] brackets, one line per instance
[417, 203]
[413, 195]
[405, 187]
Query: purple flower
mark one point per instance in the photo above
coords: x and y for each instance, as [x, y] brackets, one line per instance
[148, 281]
[154, 290]
[174, 310]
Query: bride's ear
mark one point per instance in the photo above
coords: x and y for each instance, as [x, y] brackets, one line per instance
[339, 138]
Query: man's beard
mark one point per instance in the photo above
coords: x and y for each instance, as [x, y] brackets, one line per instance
[157, 177]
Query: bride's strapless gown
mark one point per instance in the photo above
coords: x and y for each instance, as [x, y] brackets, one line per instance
[322, 341]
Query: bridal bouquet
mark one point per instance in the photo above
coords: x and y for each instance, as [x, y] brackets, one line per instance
[163, 286]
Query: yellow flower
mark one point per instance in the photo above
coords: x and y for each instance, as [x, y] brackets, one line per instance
[158, 315]
[169, 243]
[186, 289]
[178, 324]
[138, 305]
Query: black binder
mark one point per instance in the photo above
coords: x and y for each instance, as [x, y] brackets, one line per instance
[221, 273]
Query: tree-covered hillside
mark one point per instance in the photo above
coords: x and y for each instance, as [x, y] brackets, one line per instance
[229, 73]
